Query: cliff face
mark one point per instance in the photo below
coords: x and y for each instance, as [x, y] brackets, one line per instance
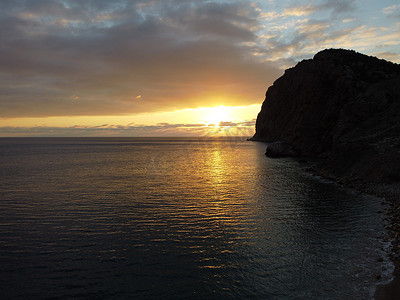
[341, 105]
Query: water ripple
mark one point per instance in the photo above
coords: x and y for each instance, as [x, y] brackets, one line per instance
[179, 218]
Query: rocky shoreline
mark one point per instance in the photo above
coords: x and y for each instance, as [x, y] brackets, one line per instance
[344, 108]
[391, 195]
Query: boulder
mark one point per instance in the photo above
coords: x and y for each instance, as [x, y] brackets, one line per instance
[280, 149]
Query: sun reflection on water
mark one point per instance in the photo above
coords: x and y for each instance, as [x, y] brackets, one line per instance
[216, 165]
[208, 217]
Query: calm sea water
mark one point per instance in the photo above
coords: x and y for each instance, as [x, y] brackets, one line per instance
[179, 218]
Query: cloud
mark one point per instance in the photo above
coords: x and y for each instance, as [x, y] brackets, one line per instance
[250, 123]
[299, 11]
[128, 57]
[392, 11]
[178, 54]
[294, 32]
[338, 6]
[297, 31]
[162, 129]
[334, 7]
[227, 124]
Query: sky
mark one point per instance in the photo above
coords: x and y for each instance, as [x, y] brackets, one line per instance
[167, 67]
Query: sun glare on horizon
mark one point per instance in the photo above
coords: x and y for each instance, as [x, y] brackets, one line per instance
[216, 115]
[237, 120]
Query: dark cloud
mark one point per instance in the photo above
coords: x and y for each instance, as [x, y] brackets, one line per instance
[102, 54]
[227, 124]
[238, 124]
[338, 6]
[249, 123]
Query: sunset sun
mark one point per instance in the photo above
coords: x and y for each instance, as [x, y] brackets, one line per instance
[217, 114]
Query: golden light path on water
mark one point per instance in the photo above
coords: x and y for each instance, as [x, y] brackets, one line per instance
[156, 218]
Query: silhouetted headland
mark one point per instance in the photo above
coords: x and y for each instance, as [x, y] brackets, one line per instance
[344, 107]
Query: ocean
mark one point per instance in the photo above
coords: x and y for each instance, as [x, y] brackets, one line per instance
[180, 218]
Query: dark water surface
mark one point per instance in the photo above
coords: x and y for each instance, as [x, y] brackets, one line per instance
[178, 218]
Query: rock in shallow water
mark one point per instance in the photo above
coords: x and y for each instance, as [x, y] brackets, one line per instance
[280, 149]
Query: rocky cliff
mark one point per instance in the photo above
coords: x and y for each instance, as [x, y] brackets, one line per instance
[340, 105]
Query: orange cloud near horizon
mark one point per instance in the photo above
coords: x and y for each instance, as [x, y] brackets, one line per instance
[204, 121]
